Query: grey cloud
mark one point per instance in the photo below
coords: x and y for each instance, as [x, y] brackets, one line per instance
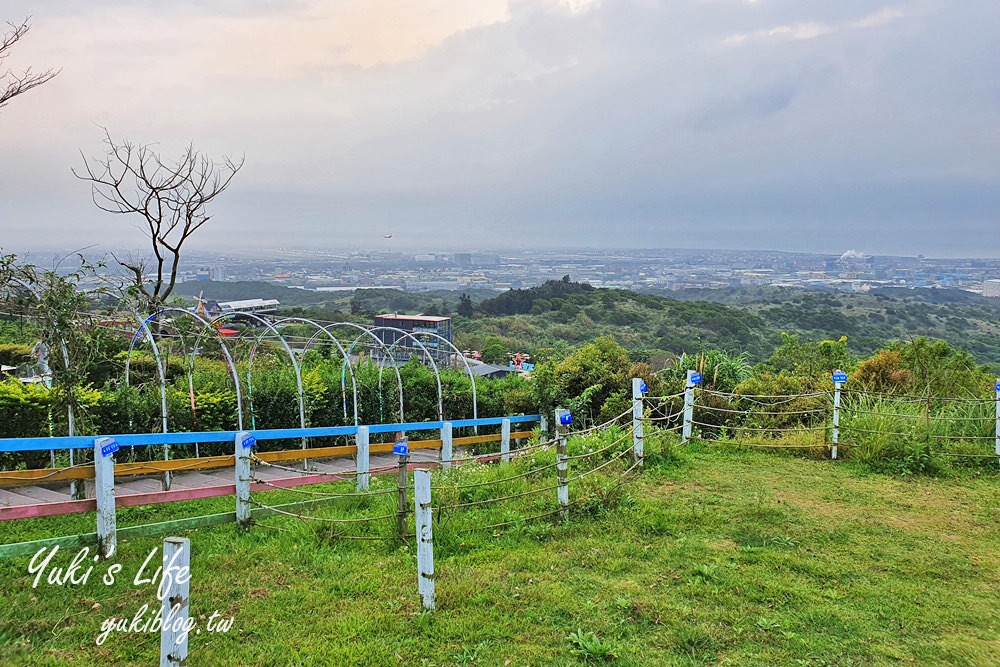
[628, 122]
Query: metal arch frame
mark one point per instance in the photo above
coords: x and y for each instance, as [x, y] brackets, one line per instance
[284, 343]
[343, 353]
[70, 416]
[144, 326]
[365, 331]
[472, 378]
[437, 373]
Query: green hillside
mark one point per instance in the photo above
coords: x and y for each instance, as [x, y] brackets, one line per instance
[560, 315]
[961, 318]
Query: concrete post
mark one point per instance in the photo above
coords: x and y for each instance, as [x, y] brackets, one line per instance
[637, 429]
[176, 602]
[364, 457]
[104, 493]
[688, 406]
[835, 433]
[562, 463]
[402, 448]
[446, 453]
[243, 446]
[505, 440]
[997, 413]
[425, 537]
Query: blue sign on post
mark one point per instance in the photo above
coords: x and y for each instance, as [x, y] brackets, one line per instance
[839, 376]
[109, 446]
[566, 419]
[643, 388]
[401, 448]
[998, 386]
[695, 378]
[248, 441]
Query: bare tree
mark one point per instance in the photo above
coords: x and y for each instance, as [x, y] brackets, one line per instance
[170, 197]
[11, 83]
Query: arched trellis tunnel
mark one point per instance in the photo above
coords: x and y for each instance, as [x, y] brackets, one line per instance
[215, 321]
[343, 353]
[387, 355]
[379, 343]
[205, 325]
[430, 357]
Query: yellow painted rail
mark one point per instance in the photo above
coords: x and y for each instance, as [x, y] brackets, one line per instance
[48, 475]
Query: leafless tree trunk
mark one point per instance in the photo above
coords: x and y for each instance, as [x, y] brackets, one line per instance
[11, 83]
[171, 198]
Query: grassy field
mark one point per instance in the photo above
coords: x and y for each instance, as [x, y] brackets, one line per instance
[713, 557]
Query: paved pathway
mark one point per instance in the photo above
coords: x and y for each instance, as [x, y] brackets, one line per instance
[15, 496]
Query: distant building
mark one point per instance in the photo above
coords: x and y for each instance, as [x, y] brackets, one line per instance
[415, 324]
[253, 306]
[485, 259]
[991, 288]
[463, 258]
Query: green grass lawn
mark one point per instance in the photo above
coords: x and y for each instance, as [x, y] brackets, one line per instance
[718, 557]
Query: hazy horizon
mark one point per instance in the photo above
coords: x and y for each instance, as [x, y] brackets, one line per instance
[773, 125]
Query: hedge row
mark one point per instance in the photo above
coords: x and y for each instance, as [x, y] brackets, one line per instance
[270, 400]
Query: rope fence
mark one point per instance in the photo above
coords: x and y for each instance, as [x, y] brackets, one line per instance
[855, 419]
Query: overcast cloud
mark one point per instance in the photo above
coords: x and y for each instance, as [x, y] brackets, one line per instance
[788, 124]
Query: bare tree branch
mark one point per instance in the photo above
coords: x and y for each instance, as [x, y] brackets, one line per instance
[13, 84]
[170, 197]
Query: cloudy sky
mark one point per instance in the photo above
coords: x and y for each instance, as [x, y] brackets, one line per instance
[813, 125]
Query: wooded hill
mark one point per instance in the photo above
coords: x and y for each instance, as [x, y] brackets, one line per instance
[559, 315]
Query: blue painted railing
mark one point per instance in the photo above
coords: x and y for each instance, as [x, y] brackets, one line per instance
[188, 437]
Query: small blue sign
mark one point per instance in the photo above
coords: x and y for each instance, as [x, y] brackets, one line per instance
[108, 446]
[565, 419]
[998, 386]
[248, 441]
[401, 448]
[643, 388]
[695, 378]
[839, 376]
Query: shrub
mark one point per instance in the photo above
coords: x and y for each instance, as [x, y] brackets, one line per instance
[13, 354]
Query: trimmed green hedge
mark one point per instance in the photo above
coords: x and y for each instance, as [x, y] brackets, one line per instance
[271, 401]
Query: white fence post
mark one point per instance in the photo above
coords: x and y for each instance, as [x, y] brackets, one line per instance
[562, 462]
[835, 434]
[244, 442]
[505, 440]
[425, 537]
[637, 432]
[402, 448]
[446, 446]
[77, 488]
[364, 457]
[176, 607]
[104, 493]
[997, 444]
[688, 405]
[543, 427]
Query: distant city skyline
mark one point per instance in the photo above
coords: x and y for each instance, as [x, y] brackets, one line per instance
[797, 125]
[645, 269]
[197, 252]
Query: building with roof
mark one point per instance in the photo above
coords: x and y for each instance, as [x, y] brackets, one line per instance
[251, 306]
[415, 325]
[492, 371]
